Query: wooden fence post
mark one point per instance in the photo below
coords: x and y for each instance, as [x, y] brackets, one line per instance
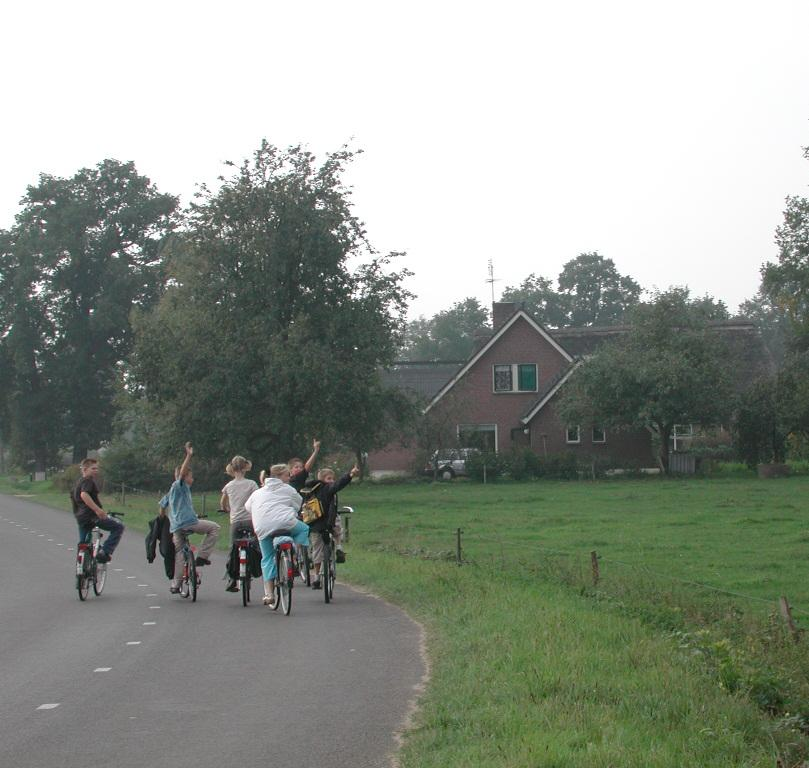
[594, 563]
[458, 553]
[346, 527]
[786, 613]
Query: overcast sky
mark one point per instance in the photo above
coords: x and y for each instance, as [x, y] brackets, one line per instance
[665, 136]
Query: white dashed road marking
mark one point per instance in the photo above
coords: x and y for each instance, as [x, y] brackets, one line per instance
[47, 706]
[152, 594]
[102, 669]
[133, 642]
[149, 623]
[154, 606]
[143, 585]
[130, 577]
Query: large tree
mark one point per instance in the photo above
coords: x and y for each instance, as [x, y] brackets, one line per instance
[785, 284]
[82, 252]
[590, 291]
[276, 317]
[538, 296]
[668, 369]
[448, 335]
[594, 292]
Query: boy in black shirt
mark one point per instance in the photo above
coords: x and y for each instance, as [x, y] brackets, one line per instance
[89, 513]
[326, 491]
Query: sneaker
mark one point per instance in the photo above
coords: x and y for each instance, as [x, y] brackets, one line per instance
[316, 584]
[269, 601]
[340, 556]
[174, 590]
[102, 557]
[232, 586]
[200, 561]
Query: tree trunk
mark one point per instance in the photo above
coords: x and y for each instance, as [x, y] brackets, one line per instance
[665, 436]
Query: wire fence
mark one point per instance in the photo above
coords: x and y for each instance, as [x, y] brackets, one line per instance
[590, 570]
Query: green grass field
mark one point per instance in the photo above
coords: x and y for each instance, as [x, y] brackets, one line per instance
[533, 665]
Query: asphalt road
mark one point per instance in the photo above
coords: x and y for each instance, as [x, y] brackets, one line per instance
[138, 677]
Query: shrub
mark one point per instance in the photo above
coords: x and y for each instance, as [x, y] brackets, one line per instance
[560, 466]
[521, 464]
[490, 465]
[127, 464]
[67, 478]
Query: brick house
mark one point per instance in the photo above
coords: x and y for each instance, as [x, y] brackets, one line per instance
[503, 396]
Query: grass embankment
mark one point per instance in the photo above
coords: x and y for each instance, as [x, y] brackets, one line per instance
[534, 666]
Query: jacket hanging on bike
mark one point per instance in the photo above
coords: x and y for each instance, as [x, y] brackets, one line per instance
[160, 534]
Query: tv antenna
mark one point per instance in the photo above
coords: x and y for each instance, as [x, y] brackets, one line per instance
[491, 280]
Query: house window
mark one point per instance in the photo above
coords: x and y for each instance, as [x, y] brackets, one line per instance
[516, 377]
[503, 380]
[573, 434]
[482, 436]
[681, 436]
[599, 435]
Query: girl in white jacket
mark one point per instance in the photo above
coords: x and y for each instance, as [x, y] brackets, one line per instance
[274, 507]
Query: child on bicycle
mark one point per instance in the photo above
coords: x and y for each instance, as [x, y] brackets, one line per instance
[275, 507]
[89, 512]
[183, 520]
[326, 489]
[298, 471]
[234, 495]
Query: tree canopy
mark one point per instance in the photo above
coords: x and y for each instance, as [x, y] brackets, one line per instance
[590, 291]
[448, 335]
[82, 252]
[668, 369]
[276, 317]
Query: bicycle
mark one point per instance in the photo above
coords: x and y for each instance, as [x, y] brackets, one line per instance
[88, 569]
[285, 566]
[246, 544]
[190, 580]
[304, 563]
[328, 569]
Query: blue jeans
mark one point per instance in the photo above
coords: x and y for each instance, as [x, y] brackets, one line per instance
[109, 524]
[300, 535]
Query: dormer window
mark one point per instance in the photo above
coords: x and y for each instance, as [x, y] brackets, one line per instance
[515, 377]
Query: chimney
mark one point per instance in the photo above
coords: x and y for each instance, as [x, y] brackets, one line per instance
[502, 311]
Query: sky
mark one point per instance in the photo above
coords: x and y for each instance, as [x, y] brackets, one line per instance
[665, 136]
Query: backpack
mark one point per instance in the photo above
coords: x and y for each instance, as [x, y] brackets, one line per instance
[312, 509]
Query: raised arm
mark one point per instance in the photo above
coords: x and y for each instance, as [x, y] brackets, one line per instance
[189, 452]
[310, 462]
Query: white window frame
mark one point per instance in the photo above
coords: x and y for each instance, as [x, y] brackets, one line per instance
[681, 432]
[478, 428]
[604, 436]
[577, 441]
[515, 379]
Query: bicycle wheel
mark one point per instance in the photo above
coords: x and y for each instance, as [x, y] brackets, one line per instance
[83, 586]
[285, 582]
[326, 572]
[99, 576]
[245, 589]
[185, 584]
[193, 579]
[332, 577]
[302, 560]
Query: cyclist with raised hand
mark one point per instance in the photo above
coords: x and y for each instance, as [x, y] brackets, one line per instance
[299, 471]
[183, 520]
[274, 507]
[234, 495]
[326, 489]
[89, 513]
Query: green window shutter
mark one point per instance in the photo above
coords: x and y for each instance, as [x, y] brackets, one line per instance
[527, 378]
